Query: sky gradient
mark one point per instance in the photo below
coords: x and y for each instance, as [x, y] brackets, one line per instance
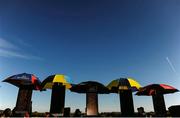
[97, 40]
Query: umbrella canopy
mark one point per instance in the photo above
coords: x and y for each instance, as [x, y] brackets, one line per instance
[123, 84]
[89, 87]
[153, 89]
[24, 80]
[58, 78]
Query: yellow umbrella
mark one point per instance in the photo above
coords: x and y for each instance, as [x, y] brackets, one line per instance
[125, 87]
[58, 78]
[58, 83]
[123, 84]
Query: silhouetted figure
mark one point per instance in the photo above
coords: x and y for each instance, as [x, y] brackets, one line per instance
[47, 114]
[77, 113]
[67, 112]
[141, 112]
[174, 111]
[7, 112]
[14, 112]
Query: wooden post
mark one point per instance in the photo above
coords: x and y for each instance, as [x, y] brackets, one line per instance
[126, 103]
[23, 103]
[92, 104]
[57, 99]
[159, 105]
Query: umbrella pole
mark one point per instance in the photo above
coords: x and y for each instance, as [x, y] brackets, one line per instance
[159, 105]
[126, 103]
[92, 104]
[57, 99]
[23, 103]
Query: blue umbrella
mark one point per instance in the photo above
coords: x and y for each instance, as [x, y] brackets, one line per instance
[24, 80]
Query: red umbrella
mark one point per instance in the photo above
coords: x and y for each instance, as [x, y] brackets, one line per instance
[157, 91]
[153, 89]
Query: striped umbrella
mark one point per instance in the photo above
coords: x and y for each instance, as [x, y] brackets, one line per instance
[125, 87]
[157, 91]
[57, 78]
[123, 84]
[58, 83]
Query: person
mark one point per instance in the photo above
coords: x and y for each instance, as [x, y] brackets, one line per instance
[14, 112]
[77, 113]
[47, 114]
[141, 112]
[7, 113]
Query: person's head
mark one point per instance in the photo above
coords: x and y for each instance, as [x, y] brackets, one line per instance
[7, 112]
[140, 110]
[47, 114]
[77, 111]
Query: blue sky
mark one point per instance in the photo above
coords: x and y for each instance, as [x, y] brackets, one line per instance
[90, 40]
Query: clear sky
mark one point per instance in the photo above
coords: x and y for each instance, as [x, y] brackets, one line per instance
[97, 40]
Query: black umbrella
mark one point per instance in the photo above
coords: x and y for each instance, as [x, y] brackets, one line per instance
[92, 89]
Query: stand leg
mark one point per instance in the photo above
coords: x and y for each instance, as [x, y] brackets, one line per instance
[57, 99]
[159, 105]
[126, 103]
[92, 104]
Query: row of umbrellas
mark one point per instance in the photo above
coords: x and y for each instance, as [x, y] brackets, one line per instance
[58, 83]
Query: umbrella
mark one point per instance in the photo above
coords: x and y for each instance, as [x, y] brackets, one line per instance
[125, 87]
[58, 83]
[154, 89]
[26, 83]
[24, 80]
[157, 91]
[58, 78]
[123, 84]
[92, 89]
